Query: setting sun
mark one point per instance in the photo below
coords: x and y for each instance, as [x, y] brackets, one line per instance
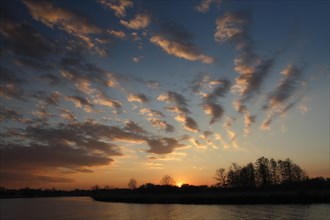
[179, 184]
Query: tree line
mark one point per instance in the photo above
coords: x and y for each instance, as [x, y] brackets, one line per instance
[263, 172]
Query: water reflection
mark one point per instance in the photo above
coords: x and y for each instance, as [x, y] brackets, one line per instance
[85, 208]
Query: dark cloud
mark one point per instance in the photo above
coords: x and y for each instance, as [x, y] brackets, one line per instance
[175, 32]
[10, 114]
[79, 72]
[180, 107]
[118, 6]
[141, 97]
[198, 83]
[191, 124]
[175, 40]
[52, 99]
[210, 105]
[81, 102]
[11, 86]
[220, 91]
[23, 177]
[10, 91]
[286, 87]
[51, 78]
[179, 100]
[283, 98]
[163, 145]
[250, 79]
[204, 5]
[214, 110]
[134, 127]
[68, 115]
[161, 124]
[24, 40]
[252, 69]
[75, 24]
[8, 76]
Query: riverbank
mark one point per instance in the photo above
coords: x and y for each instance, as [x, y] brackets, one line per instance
[299, 197]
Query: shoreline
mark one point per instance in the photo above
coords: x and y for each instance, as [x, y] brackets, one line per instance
[299, 197]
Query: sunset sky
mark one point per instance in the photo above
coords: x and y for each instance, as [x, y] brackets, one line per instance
[97, 92]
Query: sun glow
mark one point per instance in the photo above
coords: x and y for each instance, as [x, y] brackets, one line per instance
[179, 184]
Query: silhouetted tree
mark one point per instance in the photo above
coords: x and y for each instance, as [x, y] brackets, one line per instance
[221, 177]
[274, 172]
[233, 176]
[95, 188]
[262, 171]
[132, 183]
[167, 181]
[247, 176]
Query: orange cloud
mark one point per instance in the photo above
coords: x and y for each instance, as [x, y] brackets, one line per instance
[185, 51]
[138, 22]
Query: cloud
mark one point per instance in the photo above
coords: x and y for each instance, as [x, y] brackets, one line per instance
[210, 105]
[248, 121]
[204, 5]
[117, 34]
[232, 27]
[118, 6]
[68, 21]
[11, 85]
[10, 91]
[49, 149]
[151, 113]
[8, 76]
[141, 97]
[10, 114]
[81, 102]
[286, 87]
[180, 107]
[102, 99]
[161, 124]
[153, 84]
[23, 39]
[68, 115]
[163, 145]
[250, 79]
[138, 22]
[80, 71]
[189, 123]
[214, 110]
[133, 127]
[280, 100]
[52, 99]
[176, 98]
[199, 82]
[186, 51]
[252, 70]
[220, 91]
[137, 59]
[51, 78]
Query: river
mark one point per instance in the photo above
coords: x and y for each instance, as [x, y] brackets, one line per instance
[80, 208]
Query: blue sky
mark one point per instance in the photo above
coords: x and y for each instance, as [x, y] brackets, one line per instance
[101, 91]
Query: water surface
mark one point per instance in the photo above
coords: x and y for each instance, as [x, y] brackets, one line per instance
[84, 208]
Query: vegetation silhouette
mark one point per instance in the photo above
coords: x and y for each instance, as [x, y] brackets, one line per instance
[264, 181]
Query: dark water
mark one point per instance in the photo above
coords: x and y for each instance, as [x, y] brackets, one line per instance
[81, 208]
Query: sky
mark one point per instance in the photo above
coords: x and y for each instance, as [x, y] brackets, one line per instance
[97, 92]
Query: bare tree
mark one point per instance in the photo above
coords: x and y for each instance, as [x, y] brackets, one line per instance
[132, 183]
[167, 180]
[221, 177]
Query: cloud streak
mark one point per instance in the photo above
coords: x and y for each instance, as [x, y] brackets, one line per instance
[140, 21]
[68, 21]
[118, 6]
